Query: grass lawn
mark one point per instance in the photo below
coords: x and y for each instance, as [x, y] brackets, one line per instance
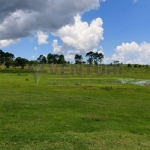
[73, 116]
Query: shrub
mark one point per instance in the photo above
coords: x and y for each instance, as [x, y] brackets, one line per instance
[129, 65]
[146, 66]
[135, 65]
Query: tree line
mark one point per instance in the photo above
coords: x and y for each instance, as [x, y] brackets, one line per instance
[8, 59]
[92, 58]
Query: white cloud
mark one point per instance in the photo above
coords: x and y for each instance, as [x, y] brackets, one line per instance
[42, 37]
[29, 16]
[133, 53]
[81, 36]
[35, 48]
[5, 43]
[69, 57]
[134, 1]
[100, 50]
[71, 54]
[56, 48]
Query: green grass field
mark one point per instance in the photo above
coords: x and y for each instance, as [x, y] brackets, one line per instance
[74, 115]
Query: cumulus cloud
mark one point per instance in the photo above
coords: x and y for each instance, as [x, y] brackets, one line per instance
[28, 16]
[5, 43]
[42, 37]
[69, 57]
[56, 48]
[133, 53]
[81, 36]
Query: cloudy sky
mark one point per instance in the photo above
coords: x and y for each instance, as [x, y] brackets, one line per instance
[118, 28]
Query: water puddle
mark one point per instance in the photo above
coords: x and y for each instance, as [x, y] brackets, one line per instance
[140, 82]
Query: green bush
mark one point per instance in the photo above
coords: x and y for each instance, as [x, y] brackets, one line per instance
[135, 65]
[129, 65]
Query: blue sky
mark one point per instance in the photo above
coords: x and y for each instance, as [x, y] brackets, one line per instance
[122, 30]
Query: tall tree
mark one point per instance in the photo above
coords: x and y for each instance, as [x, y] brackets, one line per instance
[78, 59]
[1, 57]
[8, 56]
[4, 57]
[9, 63]
[56, 58]
[100, 57]
[90, 57]
[50, 58]
[21, 62]
[42, 59]
[61, 59]
[96, 58]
